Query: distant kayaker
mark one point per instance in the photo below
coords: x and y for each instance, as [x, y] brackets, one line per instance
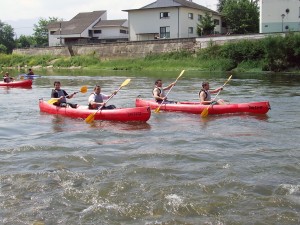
[159, 92]
[205, 95]
[30, 72]
[7, 78]
[57, 92]
[96, 99]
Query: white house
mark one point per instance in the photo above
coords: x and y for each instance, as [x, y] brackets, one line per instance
[111, 30]
[279, 16]
[168, 19]
[87, 27]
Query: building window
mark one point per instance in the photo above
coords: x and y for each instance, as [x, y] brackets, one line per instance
[191, 30]
[123, 31]
[164, 32]
[199, 17]
[164, 15]
[97, 31]
[216, 22]
[191, 16]
[52, 32]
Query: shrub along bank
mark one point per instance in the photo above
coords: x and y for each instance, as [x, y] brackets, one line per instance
[274, 53]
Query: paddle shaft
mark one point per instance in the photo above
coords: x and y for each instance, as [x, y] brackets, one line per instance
[72, 94]
[170, 90]
[221, 88]
[204, 113]
[167, 94]
[110, 97]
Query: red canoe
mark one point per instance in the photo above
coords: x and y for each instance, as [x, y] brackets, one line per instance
[19, 83]
[124, 114]
[197, 108]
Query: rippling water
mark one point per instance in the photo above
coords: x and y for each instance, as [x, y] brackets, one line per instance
[174, 169]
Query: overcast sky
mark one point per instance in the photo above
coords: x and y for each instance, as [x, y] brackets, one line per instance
[22, 14]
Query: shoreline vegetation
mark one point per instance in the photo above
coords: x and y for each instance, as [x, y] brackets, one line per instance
[274, 54]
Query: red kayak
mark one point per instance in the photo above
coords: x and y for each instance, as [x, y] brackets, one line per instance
[197, 108]
[19, 83]
[119, 114]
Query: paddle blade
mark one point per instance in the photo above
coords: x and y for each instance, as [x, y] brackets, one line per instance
[53, 100]
[157, 110]
[83, 89]
[204, 113]
[125, 83]
[90, 118]
[180, 74]
[227, 80]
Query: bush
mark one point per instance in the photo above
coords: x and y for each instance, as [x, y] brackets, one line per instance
[176, 55]
[243, 50]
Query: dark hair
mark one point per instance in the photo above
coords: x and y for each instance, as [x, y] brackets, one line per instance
[56, 82]
[96, 86]
[156, 82]
[204, 83]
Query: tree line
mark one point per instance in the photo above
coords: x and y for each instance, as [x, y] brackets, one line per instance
[238, 16]
[38, 39]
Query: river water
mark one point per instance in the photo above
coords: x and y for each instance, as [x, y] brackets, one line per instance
[174, 169]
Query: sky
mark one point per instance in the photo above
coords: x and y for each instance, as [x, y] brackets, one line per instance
[23, 14]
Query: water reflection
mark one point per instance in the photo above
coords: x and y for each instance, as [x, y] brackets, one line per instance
[115, 125]
[6, 90]
[205, 121]
[58, 123]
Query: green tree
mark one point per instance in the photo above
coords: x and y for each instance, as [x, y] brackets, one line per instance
[3, 49]
[206, 25]
[41, 31]
[7, 37]
[241, 16]
[220, 5]
[25, 41]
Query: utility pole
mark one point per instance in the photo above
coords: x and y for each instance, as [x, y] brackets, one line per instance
[60, 41]
[282, 16]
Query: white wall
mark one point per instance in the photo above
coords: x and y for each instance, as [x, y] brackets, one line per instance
[111, 33]
[186, 22]
[271, 19]
[149, 21]
[54, 40]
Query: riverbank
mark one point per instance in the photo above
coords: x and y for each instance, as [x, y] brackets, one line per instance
[164, 62]
[274, 53]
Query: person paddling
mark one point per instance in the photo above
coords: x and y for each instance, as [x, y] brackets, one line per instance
[7, 78]
[96, 99]
[57, 92]
[159, 92]
[30, 72]
[205, 95]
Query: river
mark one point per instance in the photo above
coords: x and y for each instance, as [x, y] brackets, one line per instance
[174, 169]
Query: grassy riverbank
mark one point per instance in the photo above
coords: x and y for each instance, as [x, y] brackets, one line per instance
[274, 53]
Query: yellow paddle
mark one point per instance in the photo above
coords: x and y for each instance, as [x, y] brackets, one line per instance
[158, 108]
[204, 113]
[91, 117]
[83, 89]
